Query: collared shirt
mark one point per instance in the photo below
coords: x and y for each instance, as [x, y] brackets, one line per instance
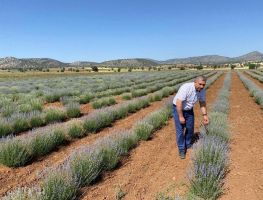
[189, 96]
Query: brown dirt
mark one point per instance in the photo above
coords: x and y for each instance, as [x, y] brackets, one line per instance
[11, 178]
[86, 108]
[55, 104]
[245, 179]
[257, 82]
[154, 166]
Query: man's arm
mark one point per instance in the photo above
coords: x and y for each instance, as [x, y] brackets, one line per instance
[204, 112]
[179, 108]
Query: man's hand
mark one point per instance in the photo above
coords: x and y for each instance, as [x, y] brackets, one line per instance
[206, 120]
[182, 120]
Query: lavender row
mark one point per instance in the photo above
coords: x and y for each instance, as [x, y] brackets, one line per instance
[255, 75]
[86, 164]
[18, 151]
[210, 153]
[20, 122]
[253, 89]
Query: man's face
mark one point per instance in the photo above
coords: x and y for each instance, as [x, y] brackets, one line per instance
[199, 84]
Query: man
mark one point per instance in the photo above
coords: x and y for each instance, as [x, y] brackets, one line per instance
[183, 103]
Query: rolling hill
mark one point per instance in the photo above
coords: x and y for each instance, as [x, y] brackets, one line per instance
[12, 62]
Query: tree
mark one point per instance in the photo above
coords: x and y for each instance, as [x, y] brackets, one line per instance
[199, 67]
[182, 68]
[130, 69]
[252, 66]
[94, 68]
[232, 66]
[119, 69]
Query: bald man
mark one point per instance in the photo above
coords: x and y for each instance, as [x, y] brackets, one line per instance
[183, 103]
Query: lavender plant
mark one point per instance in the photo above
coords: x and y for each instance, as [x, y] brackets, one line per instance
[59, 184]
[24, 193]
[14, 152]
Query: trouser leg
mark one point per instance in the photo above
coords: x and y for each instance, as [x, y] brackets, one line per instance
[189, 132]
[180, 139]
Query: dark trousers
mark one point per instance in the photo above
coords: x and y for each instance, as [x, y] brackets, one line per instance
[184, 138]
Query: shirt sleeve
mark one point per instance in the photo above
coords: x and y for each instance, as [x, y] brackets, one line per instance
[181, 94]
[202, 95]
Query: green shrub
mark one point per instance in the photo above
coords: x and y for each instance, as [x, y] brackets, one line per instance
[73, 110]
[36, 104]
[5, 128]
[59, 185]
[21, 124]
[76, 130]
[126, 96]
[158, 119]
[143, 130]
[25, 108]
[55, 115]
[8, 109]
[121, 112]
[52, 97]
[157, 96]
[126, 143]
[85, 98]
[103, 102]
[98, 122]
[14, 153]
[110, 158]
[37, 121]
[85, 168]
[139, 92]
[42, 144]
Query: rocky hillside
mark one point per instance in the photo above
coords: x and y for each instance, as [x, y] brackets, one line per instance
[11, 62]
[138, 62]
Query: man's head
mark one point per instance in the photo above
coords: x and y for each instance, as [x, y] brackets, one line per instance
[200, 82]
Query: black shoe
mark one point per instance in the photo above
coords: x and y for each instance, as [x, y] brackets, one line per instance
[182, 154]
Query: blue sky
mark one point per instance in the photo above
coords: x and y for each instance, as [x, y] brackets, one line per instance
[99, 30]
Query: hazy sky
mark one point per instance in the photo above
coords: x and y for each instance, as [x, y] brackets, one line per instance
[99, 30]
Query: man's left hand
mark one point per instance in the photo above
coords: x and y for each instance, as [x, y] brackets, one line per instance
[206, 120]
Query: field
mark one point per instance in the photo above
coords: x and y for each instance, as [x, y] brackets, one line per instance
[112, 136]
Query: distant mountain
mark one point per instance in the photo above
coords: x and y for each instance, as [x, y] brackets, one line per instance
[210, 59]
[252, 56]
[215, 59]
[83, 63]
[137, 62]
[11, 62]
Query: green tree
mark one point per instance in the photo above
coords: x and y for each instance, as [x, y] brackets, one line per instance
[199, 67]
[232, 66]
[252, 66]
[94, 68]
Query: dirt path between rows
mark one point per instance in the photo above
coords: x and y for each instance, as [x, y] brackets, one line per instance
[245, 179]
[154, 166]
[257, 82]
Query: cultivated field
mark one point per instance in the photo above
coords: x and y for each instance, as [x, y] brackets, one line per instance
[113, 137]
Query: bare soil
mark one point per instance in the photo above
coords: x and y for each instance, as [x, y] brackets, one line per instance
[245, 179]
[153, 167]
